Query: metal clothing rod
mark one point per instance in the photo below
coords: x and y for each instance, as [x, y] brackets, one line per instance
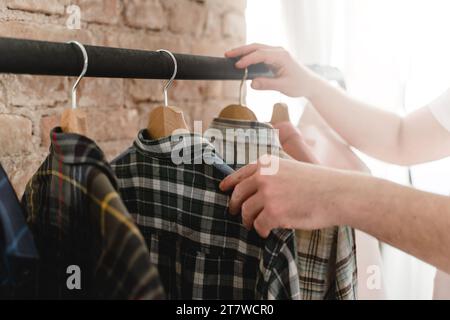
[19, 56]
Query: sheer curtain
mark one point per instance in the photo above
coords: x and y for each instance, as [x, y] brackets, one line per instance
[394, 54]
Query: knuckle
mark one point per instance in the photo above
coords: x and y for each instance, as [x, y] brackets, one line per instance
[245, 209]
[259, 52]
[263, 232]
[266, 193]
[237, 194]
[284, 53]
[258, 226]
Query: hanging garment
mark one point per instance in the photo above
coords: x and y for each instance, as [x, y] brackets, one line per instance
[326, 257]
[202, 252]
[18, 253]
[441, 286]
[90, 247]
[332, 151]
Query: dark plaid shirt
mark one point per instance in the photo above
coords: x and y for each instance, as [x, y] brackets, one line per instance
[78, 219]
[18, 253]
[202, 252]
[326, 257]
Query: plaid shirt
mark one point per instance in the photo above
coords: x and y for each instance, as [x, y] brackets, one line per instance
[78, 219]
[202, 252]
[326, 257]
[18, 253]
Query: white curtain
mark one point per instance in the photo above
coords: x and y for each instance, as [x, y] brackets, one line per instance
[394, 54]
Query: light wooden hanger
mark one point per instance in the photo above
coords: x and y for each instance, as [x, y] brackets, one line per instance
[164, 120]
[280, 113]
[239, 111]
[74, 120]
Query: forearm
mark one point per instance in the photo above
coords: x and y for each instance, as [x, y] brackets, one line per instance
[369, 129]
[413, 221]
[415, 139]
[378, 133]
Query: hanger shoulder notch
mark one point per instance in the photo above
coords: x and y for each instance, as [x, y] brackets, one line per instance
[163, 121]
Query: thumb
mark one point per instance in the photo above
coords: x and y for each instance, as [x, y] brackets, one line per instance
[265, 84]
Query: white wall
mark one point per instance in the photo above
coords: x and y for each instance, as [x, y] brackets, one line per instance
[395, 54]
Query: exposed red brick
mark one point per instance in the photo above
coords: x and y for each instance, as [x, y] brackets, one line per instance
[47, 6]
[15, 135]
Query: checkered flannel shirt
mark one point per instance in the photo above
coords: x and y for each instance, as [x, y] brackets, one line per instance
[78, 219]
[202, 252]
[326, 257]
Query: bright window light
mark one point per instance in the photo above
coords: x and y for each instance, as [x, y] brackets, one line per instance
[395, 55]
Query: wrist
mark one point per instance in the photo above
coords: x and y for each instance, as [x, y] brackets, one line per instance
[314, 86]
[362, 197]
[351, 198]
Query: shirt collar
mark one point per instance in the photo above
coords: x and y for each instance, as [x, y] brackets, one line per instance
[263, 133]
[177, 144]
[243, 124]
[75, 149]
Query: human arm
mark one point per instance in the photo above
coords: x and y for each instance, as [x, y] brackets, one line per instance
[414, 139]
[303, 196]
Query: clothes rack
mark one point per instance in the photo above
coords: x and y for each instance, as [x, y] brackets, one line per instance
[20, 56]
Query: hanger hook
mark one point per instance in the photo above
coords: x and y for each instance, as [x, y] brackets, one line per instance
[85, 67]
[169, 83]
[242, 88]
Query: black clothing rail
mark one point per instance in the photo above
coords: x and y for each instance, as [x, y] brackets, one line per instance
[20, 56]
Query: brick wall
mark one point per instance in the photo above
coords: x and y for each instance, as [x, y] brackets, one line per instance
[30, 106]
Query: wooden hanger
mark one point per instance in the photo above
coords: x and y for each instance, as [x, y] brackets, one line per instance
[239, 111]
[74, 120]
[164, 120]
[280, 113]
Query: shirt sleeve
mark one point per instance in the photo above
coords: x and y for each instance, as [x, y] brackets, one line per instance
[279, 267]
[440, 108]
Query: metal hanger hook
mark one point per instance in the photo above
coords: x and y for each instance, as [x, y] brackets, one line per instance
[83, 73]
[242, 88]
[169, 83]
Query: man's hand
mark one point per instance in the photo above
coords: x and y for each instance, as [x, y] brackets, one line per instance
[292, 78]
[299, 196]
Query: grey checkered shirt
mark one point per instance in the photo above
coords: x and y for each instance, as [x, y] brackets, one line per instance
[326, 257]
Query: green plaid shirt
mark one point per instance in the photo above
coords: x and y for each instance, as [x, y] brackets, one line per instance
[326, 257]
[202, 252]
[78, 219]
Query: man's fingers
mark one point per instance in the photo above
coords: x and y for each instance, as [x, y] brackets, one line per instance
[263, 225]
[244, 50]
[266, 84]
[251, 208]
[241, 193]
[231, 181]
[258, 56]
